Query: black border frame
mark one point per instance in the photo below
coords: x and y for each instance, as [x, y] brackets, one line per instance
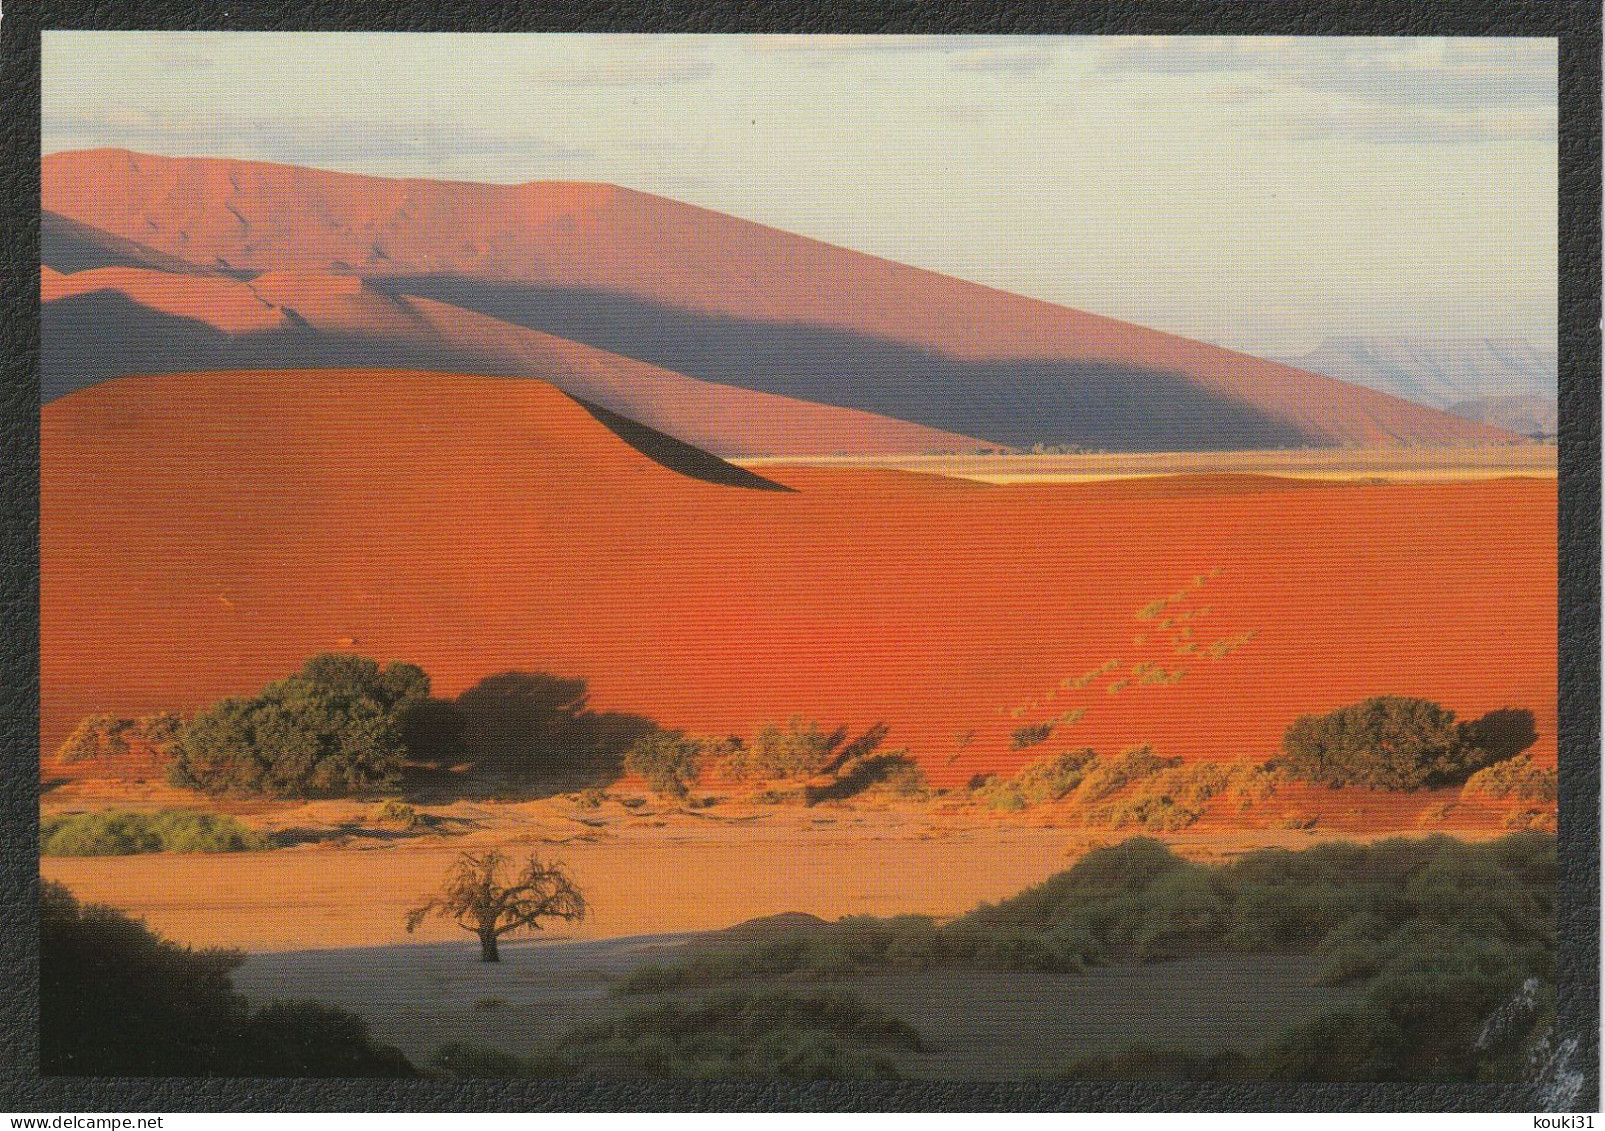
[1575, 23]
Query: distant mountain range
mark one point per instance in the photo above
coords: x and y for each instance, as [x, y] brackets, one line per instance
[728, 335]
[1506, 382]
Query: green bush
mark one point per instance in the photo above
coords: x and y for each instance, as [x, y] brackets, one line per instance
[129, 832]
[115, 999]
[1396, 743]
[340, 725]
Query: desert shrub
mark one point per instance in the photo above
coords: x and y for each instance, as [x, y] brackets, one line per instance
[1248, 786]
[107, 736]
[1224, 647]
[1517, 778]
[1044, 780]
[668, 760]
[338, 726]
[1159, 814]
[130, 832]
[591, 798]
[904, 778]
[1152, 609]
[799, 750]
[1392, 742]
[1107, 778]
[1541, 820]
[1435, 814]
[393, 812]
[115, 999]
[1030, 735]
[97, 736]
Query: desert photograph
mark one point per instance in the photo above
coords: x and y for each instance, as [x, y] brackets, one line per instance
[747, 557]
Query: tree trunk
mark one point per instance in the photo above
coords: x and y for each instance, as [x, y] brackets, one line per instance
[487, 946]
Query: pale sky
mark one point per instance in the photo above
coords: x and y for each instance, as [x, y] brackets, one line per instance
[1261, 193]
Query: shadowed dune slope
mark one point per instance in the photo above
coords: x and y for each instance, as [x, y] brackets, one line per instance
[202, 534]
[119, 321]
[720, 299]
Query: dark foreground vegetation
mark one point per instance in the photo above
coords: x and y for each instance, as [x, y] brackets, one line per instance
[1438, 933]
[729, 1035]
[115, 999]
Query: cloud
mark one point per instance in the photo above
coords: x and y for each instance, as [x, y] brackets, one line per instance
[628, 61]
[1451, 73]
[1417, 126]
[1015, 58]
[394, 146]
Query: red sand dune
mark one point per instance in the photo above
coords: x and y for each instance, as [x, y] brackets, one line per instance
[256, 217]
[202, 534]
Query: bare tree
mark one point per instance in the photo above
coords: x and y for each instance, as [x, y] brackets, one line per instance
[480, 893]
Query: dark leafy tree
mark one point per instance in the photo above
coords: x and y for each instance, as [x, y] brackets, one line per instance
[483, 895]
[1397, 743]
[340, 725]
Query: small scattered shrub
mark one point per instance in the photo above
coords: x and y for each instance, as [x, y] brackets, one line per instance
[1222, 648]
[1539, 820]
[1030, 735]
[394, 812]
